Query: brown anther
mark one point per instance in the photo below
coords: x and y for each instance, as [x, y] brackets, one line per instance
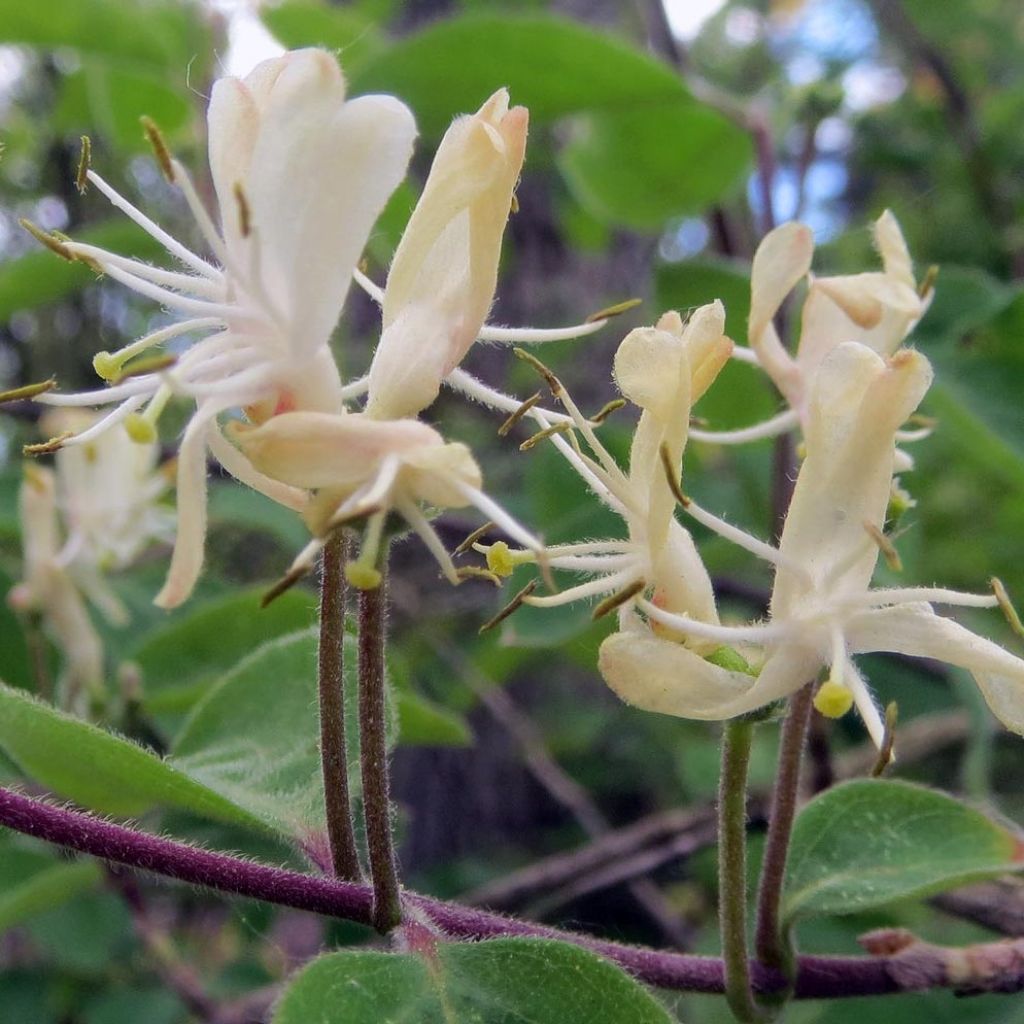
[610, 311]
[156, 139]
[479, 532]
[27, 391]
[549, 378]
[886, 546]
[606, 410]
[514, 205]
[1006, 606]
[885, 754]
[616, 600]
[698, 421]
[926, 422]
[286, 582]
[670, 476]
[148, 364]
[928, 281]
[244, 212]
[360, 512]
[541, 435]
[48, 447]
[514, 604]
[475, 572]
[52, 242]
[518, 414]
[84, 160]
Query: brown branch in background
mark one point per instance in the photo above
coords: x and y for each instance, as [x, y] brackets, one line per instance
[960, 116]
[998, 906]
[561, 786]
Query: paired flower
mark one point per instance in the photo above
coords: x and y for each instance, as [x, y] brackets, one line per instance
[301, 175]
[823, 611]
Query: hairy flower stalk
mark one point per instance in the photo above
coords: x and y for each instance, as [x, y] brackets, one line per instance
[823, 610]
[301, 175]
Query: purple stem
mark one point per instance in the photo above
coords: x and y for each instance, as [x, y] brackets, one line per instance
[818, 977]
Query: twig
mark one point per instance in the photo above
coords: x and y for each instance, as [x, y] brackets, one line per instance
[772, 946]
[998, 906]
[373, 752]
[331, 682]
[737, 737]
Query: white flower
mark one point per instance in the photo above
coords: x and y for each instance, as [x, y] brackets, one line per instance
[876, 309]
[301, 175]
[823, 611]
[664, 370]
[356, 467]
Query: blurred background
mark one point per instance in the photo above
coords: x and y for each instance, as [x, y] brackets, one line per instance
[666, 138]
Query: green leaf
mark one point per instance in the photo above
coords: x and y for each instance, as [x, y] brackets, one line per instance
[180, 661]
[254, 737]
[871, 842]
[551, 65]
[97, 769]
[39, 276]
[33, 881]
[299, 23]
[159, 34]
[502, 981]
[232, 505]
[422, 723]
[641, 167]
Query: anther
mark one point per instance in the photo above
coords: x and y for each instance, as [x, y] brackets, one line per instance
[149, 364]
[833, 699]
[513, 605]
[48, 447]
[670, 476]
[928, 281]
[541, 435]
[886, 546]
[286, 582]
[160, 150]
[51, 242]
[518, 414]
[477, 534]
[514, 205]
[244, 211]
[606, 410]
[28, 391]
[610, 311]
[885, 754]
[84, 160]
[1006, 606]
[618, 599]
[474, 572]
[549, 378]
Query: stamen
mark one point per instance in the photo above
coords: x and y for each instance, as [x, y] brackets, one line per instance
[549, 378]
[606, 410]
[1006, 606]
[667, 463]
[928, 281]
[885, 752]
[471, 540]
[28, 391]
[373, 290]
[886, 546]
[518, 414]
[513, 605]
[513, 205]
[612, 311]
[148, 364]
[156, 139]
[286, 582]
[609, 604]
[48, 447]
[84, 160]
[541, 435]
[108, 364]
[772, 427]
[244, 212]
[51, 242]
[474, 572]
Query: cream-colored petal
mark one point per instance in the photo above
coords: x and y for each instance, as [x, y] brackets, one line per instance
[893, 249]
[917, 631]
[647, 369]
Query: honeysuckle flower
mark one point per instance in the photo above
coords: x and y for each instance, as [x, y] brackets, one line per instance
[877, 309]
[49, 590]
[442, 279]
[356, 467]
[664, 370]
[300, 175]
[823, 610]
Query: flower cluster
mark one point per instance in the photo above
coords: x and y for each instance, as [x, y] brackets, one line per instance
[301, 173]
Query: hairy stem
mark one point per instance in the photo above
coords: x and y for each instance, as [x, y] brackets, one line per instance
[373, 754]
[818, 977]
[771, 945]
[331, 678]
[732, 867]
